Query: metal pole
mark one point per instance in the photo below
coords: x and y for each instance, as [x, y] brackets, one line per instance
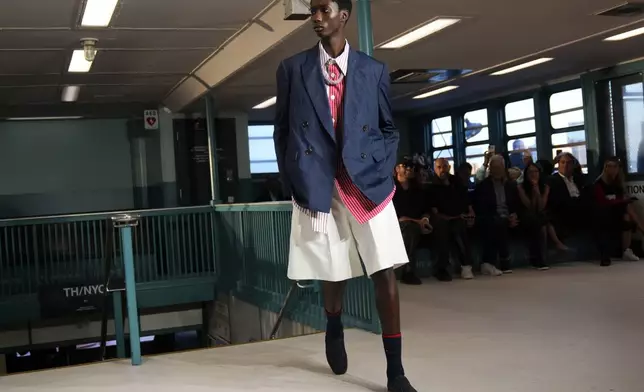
[117, 299]
[212, 149]
[365, 29]
[125, 223]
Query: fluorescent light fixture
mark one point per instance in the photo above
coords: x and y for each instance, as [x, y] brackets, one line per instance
[98, 13]
[436, 92]
[43, 118]
[523, 66]
[70, 93]
[419, 33]
[626, 35]
[78, 63]
[265, 104]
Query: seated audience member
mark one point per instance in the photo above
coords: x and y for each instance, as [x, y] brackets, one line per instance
[495, 204]
[547, 168]
[451, 206]
[614, 213]
[483, 171]
[527, 160]
[565, 207]
[411, 208]
[533, 193]
[464, 175]
[514, 173]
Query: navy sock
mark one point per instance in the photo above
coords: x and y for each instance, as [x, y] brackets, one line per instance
[393, 351]
[334, 328]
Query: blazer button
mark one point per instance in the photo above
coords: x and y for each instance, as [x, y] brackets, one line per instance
[305, 124]
[308, 151]
[365, 128]
[363, 155]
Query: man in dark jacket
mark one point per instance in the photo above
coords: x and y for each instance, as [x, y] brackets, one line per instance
[413, 216]
[496, 203]
[451, 205]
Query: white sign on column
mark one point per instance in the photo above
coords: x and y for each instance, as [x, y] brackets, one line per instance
[636, 189]
[151, 119]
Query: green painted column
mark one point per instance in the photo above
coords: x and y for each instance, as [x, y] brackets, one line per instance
[365, 29]
[212, 149]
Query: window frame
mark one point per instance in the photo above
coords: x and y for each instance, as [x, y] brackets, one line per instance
[574, 128]
[430, 139]
[250, 161]
[488, 107]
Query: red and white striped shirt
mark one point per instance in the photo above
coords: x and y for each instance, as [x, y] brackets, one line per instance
[356, 202]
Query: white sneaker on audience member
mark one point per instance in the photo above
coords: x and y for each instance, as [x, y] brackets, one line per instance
[629, 255]
[489, 269]
[466, 272]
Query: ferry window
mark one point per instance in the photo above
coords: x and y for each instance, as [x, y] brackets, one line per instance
[633, 99]
[516, 148]
[519, 118]
[261, 149]
[477, 136]
[567, 120]
[442, 139]
[475, 125]
[567, 109]
[442, 132]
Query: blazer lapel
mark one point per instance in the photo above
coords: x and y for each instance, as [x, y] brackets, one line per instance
[314, 84]
[355, 79]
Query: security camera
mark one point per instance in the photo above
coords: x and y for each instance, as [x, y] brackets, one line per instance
[89, 48]
[297, 9]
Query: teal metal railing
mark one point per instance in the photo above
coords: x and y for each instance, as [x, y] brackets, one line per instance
[241, 247]
[252, 258]
[168, 244]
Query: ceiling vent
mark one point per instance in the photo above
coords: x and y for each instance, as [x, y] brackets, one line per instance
[626, 10]
[430, 76]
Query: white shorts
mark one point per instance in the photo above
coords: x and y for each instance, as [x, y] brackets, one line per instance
[337, 255]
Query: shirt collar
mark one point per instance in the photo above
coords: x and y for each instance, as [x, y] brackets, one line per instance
[342, 60]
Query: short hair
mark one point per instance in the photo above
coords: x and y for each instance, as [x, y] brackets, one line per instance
[346, 5]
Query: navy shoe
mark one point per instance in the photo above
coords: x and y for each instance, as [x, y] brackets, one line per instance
[336, 355]
[400, 384]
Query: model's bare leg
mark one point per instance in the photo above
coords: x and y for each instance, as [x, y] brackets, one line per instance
[336, 355]
[388, 305]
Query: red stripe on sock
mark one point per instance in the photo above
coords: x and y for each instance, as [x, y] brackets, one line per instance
[392, 336]
[333, 313]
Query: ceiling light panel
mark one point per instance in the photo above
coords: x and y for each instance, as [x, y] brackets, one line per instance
[98, 13]
[626, 35]
[419, 33]
[269, 102]
[436, 92]
[78, 64]
[523, 66]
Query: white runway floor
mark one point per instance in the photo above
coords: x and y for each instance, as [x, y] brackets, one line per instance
[572, 329]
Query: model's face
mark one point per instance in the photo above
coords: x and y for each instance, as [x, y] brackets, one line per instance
[326, 17]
